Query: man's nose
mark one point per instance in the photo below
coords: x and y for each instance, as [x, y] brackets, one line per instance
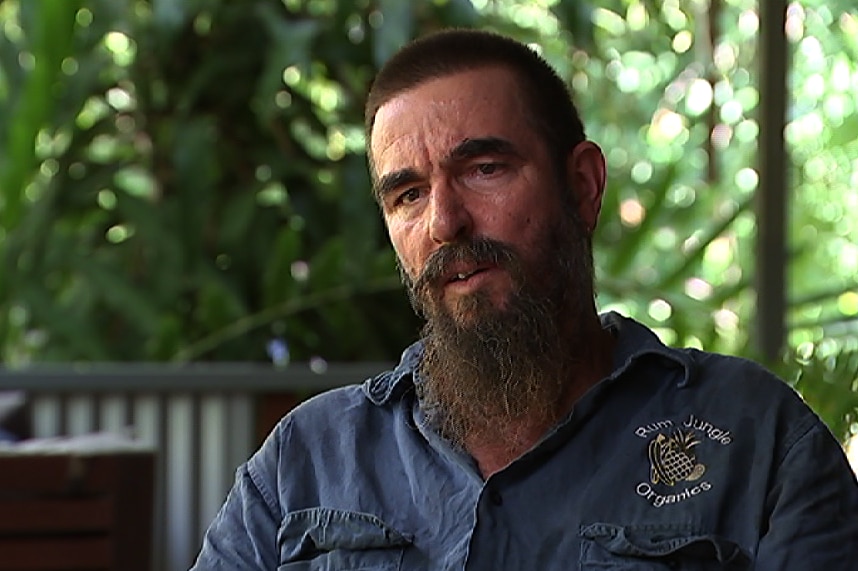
[450, 219]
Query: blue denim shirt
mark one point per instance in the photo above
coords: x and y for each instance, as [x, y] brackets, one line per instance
[679, 459]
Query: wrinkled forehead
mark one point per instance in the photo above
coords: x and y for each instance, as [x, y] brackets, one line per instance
[431, 126]
[438, 114]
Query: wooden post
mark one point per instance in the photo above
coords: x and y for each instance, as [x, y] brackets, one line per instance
[772, 195]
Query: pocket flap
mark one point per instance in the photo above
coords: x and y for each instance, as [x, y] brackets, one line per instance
[653, 541]
[309, 532]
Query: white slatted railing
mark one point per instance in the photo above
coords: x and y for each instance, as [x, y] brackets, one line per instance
[200, 420]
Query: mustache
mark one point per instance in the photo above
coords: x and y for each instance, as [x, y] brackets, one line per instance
[475, 251]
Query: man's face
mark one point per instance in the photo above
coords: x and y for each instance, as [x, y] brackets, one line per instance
[457, 162]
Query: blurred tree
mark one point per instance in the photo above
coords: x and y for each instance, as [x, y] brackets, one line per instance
[185, 179]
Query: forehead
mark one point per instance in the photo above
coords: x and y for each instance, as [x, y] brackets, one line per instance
[423, 123]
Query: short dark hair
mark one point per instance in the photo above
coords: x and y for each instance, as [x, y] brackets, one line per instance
[455, 50]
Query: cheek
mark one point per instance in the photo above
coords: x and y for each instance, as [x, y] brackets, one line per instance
[525, 227]
[405, 246]
[524, 213]
[535, 235]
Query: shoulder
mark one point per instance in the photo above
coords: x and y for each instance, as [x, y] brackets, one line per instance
[338, 420]
[330, 438]
[696, 371]
[727, 372]
[377, 398]
[744, 382]
[723, 390]
[343, 414]
[754, 399]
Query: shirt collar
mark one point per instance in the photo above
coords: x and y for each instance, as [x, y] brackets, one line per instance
[380, 389]
[634, 341]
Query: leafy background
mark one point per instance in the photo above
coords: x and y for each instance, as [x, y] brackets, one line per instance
[185, 180]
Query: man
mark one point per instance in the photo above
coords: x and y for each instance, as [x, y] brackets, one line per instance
[524, 431]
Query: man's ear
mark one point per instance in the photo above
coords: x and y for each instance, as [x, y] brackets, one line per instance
[586, 172]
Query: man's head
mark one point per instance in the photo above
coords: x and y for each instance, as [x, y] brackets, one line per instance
[451, 51]
[490, 209]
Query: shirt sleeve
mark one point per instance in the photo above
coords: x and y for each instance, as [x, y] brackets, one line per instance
[812, 507]
[243, 535]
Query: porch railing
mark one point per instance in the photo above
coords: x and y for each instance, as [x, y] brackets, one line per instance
[203, 422]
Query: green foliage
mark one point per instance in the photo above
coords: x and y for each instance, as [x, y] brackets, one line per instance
[185, 179]
[198, 187]
[826, 375]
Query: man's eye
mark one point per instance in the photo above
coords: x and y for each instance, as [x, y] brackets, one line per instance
[487, 169]
[408, 196]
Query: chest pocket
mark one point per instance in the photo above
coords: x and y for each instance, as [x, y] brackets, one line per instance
[324, 539]
[656, 548]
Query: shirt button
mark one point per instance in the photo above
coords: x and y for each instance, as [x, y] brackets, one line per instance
[496, 497]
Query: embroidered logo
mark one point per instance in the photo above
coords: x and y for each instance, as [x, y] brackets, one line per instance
[672, 458]
[675, 474]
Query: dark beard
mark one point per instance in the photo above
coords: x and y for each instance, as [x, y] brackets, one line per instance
[502, 365]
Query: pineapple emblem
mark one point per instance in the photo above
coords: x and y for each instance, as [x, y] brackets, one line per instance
[672, 458]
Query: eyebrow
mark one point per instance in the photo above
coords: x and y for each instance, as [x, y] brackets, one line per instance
[393, 180]
[467, 149]
[470, 148]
